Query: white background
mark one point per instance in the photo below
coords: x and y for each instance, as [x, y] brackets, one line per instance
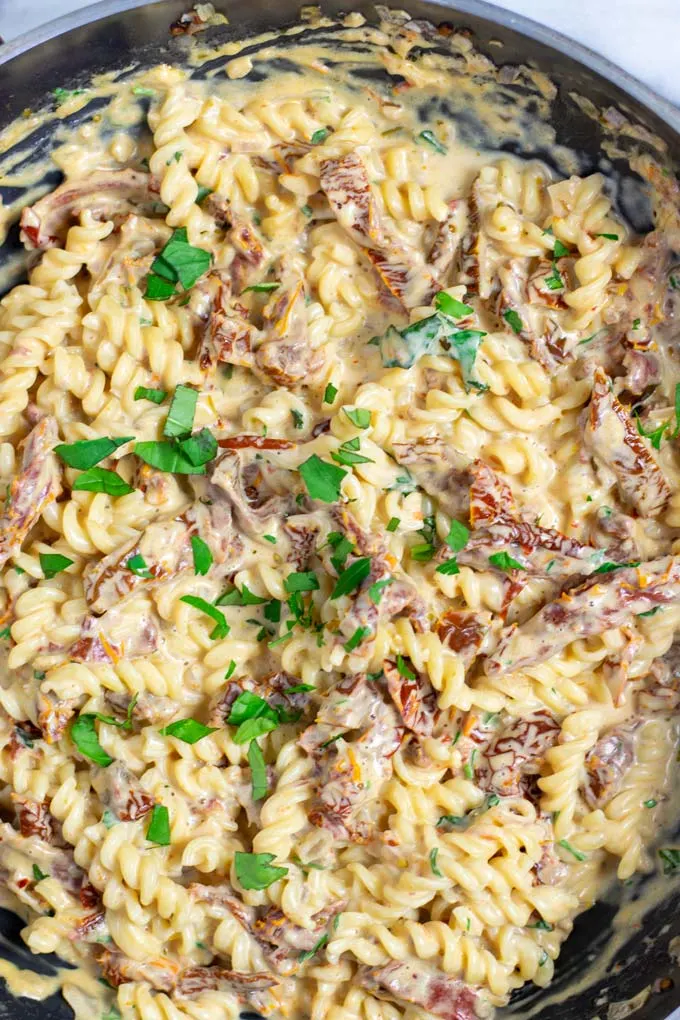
[642, 36]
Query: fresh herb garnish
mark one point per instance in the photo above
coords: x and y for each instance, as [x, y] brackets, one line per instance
[221, 628]
[606, 568]
[53, 563]
[190, 731]
[357, 637]
[255, 871]
[159, 826]
[448, 568]
[258, 771]
[87, 452]
[84, 736]
[393, 523]
[301, 581]
[541, 925]
[38, 875]
[298, 419]
[375, 592]
[142, 90]
[403, 669]
[504, 561]
[351, 578]
[554, 281]
[458, 536]
[431, 139]
[99, 479]
[180, 418]
[320, 135]
[167, 457]
[62, 95]
[560, 250]
[514, 321]
[359, 416]
[434, 853]
[330, 393]
[202, 556]
[178, 262]
[322, 480]
[137, 565]
[610, 237]
[654, 435]
[566, 845]
[671, 860]
[202, 193]
[451, 306]
[155, 396]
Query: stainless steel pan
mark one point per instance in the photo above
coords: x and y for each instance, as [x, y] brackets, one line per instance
[102, 37]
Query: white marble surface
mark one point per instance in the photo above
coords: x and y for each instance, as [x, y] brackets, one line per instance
[642, 36]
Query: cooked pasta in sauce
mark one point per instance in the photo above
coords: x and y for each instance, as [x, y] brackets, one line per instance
[339, 573]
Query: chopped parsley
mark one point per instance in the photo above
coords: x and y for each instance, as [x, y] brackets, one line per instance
[431, 139]
[514, 321]
[504, 561]
[322, 480]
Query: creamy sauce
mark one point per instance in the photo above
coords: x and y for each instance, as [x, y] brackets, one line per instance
[469, 835]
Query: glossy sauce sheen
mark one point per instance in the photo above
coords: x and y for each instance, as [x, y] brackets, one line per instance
[474, 599]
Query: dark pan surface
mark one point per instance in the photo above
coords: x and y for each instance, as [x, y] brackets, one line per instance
[104, 37]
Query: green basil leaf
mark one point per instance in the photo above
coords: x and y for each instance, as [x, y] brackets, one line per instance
[322, 480]
[99, 479]
[560, 250]
[184, 261]
[53, 563]
[298, 418]
[393, 523]
[431, 139]
[258, 771]
[84, 736]
[155, 396]
[301, 581]
[434, 853]
[671, 860]
[463, 348]
[572, 850]
[554, 280]
[202, 193]
[255, 871]
[448, 568]
[351, 578]
[375, 592]
[158, 289]
[87, 452]
[401, 348]
[222, 627]
[458, 536]
[504, 561]
[141, 90]
[109, 819]
[180, 418]
[261, 288]
[159, 826]
[272, 611]
[357, 637]
[137, 564]
[514, 321]
[251, 729]
[203, 558]
[606, 568]
[320, 135]
[188, 730]
[249, 706]
[166, 457]
[199, 448]
[341, 550]
[654, 435]
[330, 393]
[423, 552]
[609, 237]
[38, 875]
[403, 669]
[443, 302]
[541, 925]
[359, 416]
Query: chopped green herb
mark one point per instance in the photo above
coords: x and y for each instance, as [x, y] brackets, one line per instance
[430, 138]
[309, 953]
[554, 281]
[671, 860]
[330, 393]
[322, 480]
[167, 457]
[609, 237]
[87, 452]
[451, 306]
[298, 419]
[306, 210]
[84, 736]
[351, 578]
[109, 819]
[301, 581]
[255, 871]
[651, 612]
[180, 418]
[403, 669]
[469, 767]
[179, 262]
[541, 925]
[53, 563]
[393, 523]
[560, 250]
[159, 826]
[347, 455]
[62, 95]
[566, 845]
[202, 194]
[674, 282]
[606, 568]
[262, 288]
[504, 561]
[654, 435]
[300, 689]
[514, 321]
[158, 289]
[38, 875]
[142, 90]
[650, 803]
[199, 449]
[5, 633]
[359, 416]
[448, 568]
[463, 347]
[458, 536]
[423, 552]
[202, 556]
[272, 611]
[357, 637]
[99, 479]
[434, 853]
[636, 323]
[320, 135]
[258, 771]
[156, 396]
[221, 628]
[375, 592]
[188, 730]
[341, 550]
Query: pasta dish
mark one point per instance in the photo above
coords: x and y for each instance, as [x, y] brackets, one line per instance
[340, 542]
